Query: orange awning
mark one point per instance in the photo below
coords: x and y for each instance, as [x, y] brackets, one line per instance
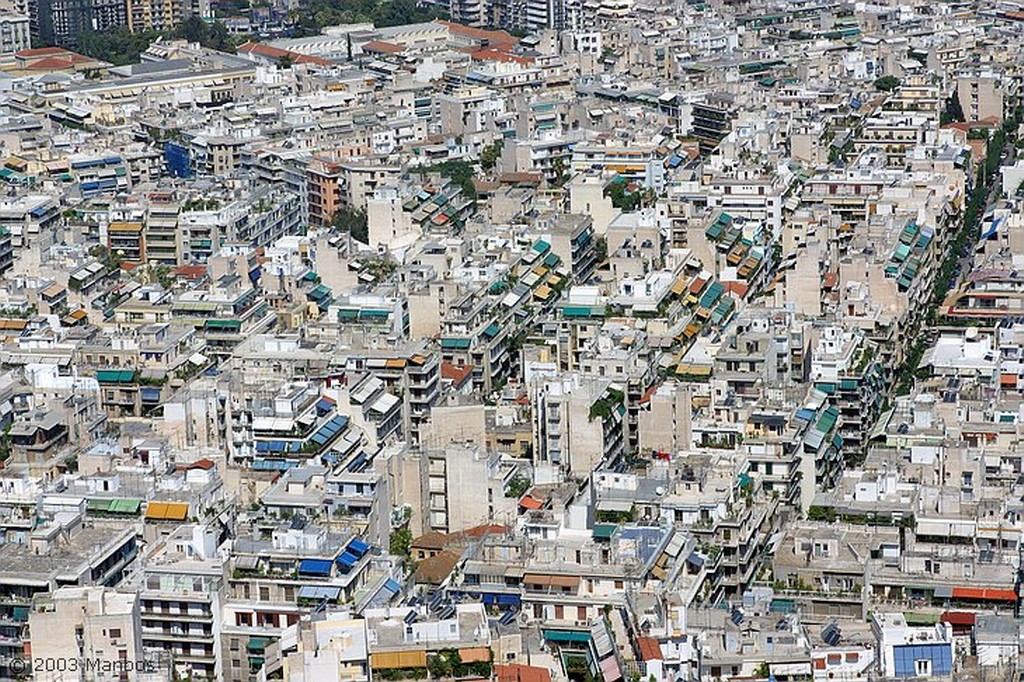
[565, 580]
[530, 502]
[984, 594]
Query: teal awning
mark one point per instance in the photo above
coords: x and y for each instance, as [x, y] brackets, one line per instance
[115, 376]
[455, 344]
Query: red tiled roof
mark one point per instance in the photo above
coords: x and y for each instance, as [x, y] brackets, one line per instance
[649, 648]
[382, 47]
[432, 540]
[204, 464]
[50, 63]
[433, 570]
[516, 672]
[485, 529]
[190, 271]
[520, 178]
[457, 375]
[491, 55]
[40, 52]
[493, 38]
[272, 52]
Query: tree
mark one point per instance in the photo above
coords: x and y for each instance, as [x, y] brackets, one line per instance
[400, 542]
[953, 110]
[517, 487]
[285, 61]
[491, 153]
[459, 172]
[353, 221]
[887, 83]
[558, 166]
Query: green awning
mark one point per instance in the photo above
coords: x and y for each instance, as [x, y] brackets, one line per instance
[604, 531]
[565, 636]
[455, 344]
[125, 506]
[115, 376]
[551, 260]
[258, 643]
[828, 420]
[541, 246]
[491, 331]
[223, 324]
[96, 506]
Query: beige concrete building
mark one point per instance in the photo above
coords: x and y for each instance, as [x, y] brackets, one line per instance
[94, 627]
[981, 95]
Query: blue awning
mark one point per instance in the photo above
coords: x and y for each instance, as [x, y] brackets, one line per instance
[346, 560]
[508, 600]
[272, 465]
[357, 463]
[358, 547]
[392, 586]
[319, 592]
[315, 567]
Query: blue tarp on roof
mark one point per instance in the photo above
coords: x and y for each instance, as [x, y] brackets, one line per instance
[315, 567]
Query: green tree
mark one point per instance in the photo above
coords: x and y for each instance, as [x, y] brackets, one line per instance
[953, 111]
[353, 221]
[5, 444]
[490, 154]
[517, 487]
[400, 542]
[887, 83]
[459, 172]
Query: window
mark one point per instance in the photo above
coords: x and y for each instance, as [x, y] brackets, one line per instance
[115, 633]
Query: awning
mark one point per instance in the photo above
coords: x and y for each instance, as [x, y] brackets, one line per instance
[958, 618]
[346, 560]
[167, 511]
[604, 531]
[357, 547]
[315, 567]
[943, 591]
[319, 592]
[984, 594]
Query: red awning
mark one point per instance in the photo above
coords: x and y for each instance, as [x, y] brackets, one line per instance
[530, 502]
[984, 594]
[957, 618]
